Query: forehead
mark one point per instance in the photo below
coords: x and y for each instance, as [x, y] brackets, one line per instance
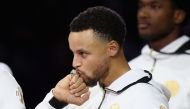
[81, 36]
[154, 1]
[84, 39]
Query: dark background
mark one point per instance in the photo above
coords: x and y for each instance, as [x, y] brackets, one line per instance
[34, 40]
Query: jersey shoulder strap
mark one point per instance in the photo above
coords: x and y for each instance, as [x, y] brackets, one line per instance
[183, 48]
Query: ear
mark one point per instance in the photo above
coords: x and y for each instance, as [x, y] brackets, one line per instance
[179, 16]
[113, 48]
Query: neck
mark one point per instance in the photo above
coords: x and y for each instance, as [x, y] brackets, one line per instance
[159, 44]
[118, 67]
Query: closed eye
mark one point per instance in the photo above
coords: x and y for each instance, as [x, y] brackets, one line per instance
[83, 54]
[155, 6]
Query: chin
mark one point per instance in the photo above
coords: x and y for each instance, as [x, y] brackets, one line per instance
[91, 83]
[146, 37]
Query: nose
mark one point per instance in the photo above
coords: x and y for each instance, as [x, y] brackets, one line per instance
[76, 62]
[143, 12]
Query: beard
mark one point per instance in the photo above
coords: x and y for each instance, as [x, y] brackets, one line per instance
[90, 81]
[155, 36]
[97, 75]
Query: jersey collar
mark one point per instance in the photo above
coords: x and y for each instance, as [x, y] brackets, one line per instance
[128, 79]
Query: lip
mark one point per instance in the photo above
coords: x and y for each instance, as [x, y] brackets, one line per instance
[79, 72]
[143, 24]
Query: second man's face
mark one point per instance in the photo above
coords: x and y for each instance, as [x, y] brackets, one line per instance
[155, 19]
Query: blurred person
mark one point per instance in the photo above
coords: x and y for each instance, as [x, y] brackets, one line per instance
[96, 39]
[167, 52]
[11, 96]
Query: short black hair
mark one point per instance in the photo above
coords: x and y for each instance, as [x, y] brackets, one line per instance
[107, 23]
[183, 5]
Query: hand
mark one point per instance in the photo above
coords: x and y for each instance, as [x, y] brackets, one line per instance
[71, 90]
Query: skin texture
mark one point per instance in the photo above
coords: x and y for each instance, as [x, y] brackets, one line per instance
[159, 22]
[90, 56]
[71, 89]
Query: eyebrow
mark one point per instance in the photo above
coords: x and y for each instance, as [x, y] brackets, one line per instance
[81, 50]
[151, 2]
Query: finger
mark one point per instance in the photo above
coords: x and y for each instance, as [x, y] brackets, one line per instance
[78, 89]
[85, 97]
[82, 92]
[64, 82]
[78, 82]
[74, 78]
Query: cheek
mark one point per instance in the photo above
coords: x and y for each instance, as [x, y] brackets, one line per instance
[160, 24]
[162, 18]
[92, 64]
[95, 66]
[165, 25]
[100, 67]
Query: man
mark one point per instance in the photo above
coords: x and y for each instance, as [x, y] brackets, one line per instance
[96, 40]
[167, 54]
[11, 96]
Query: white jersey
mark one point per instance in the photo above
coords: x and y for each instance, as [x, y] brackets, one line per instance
[11, 96]
[172, 70]
[123, 93]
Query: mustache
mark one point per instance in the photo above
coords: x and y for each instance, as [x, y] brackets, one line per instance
[143, 21]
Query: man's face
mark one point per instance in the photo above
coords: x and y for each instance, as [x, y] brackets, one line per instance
[90, 56]
[155, 19]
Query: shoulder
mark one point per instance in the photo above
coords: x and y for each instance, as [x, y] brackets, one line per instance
[146, 96]
[4, 69]
[11, 92]
[7, 81]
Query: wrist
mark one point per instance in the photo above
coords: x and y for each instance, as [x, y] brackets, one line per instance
[56, 103]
